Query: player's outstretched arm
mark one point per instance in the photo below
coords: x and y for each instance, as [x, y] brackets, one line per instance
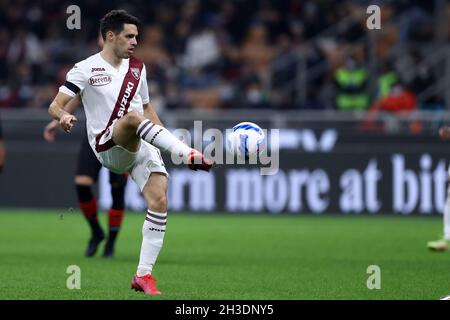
[56, 110]
[50, 128]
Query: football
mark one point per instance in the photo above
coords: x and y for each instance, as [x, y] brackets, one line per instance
[246, 139]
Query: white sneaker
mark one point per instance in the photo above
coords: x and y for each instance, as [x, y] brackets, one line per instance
[439, 245]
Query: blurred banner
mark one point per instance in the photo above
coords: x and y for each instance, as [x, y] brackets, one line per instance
[325, 167]
[413, 183]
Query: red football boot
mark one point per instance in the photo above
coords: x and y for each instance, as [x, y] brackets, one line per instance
[197, 161]
[145, 283]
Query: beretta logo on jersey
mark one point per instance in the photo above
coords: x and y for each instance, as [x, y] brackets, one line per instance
[100, 80]
[136, 73]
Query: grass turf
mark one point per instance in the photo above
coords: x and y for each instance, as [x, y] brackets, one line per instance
[227, 257]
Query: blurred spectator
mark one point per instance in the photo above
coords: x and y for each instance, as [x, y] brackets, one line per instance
[255, 97]
[200, 68]
[157, 60]
[400, 101]
[284, 70]
[225, 54]
[351, 82]
[201, 50]
[256, 53]
[423, 79]
[316, 77]
[386, 80]
[24, 47]
[4, 46]
[388, 34]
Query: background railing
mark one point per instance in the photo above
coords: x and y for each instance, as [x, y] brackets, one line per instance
[14, 121]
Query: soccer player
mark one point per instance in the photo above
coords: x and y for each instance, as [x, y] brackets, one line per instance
[87, 171]
[443, 244]
[124, 131]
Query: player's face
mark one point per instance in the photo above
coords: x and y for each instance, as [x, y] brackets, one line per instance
[125, 41]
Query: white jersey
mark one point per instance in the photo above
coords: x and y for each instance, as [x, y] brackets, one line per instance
[101, 86]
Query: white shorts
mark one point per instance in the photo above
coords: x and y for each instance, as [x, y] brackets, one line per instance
[139, 164]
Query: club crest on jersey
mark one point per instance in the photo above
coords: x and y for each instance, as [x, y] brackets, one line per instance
[136, 73]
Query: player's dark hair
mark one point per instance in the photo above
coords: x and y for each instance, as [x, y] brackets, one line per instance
[114, 21]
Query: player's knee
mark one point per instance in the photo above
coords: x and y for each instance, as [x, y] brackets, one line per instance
[158, 202]
[134, 118]
[84, 180]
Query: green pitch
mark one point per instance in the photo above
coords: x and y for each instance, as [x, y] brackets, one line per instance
[227, 257]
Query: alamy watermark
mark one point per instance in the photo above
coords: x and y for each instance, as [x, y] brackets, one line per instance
[374, 280]
[74, 279]
[374, 20]
[74, 19]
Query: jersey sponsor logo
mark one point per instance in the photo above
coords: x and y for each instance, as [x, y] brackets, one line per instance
[136, 73]
[124, 101]
[97, 69]
[100, 80]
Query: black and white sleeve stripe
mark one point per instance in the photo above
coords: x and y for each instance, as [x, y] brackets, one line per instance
[72, 87]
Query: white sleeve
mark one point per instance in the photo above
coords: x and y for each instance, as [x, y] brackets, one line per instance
[75, 81]
[143, 91]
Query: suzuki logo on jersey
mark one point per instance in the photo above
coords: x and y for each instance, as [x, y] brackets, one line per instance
[136, 73]
[100, 80]
[124, 101]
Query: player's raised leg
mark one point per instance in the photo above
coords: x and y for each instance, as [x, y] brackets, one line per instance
[444, 243]
[134, 126]
[116, 212]
[153, 231]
